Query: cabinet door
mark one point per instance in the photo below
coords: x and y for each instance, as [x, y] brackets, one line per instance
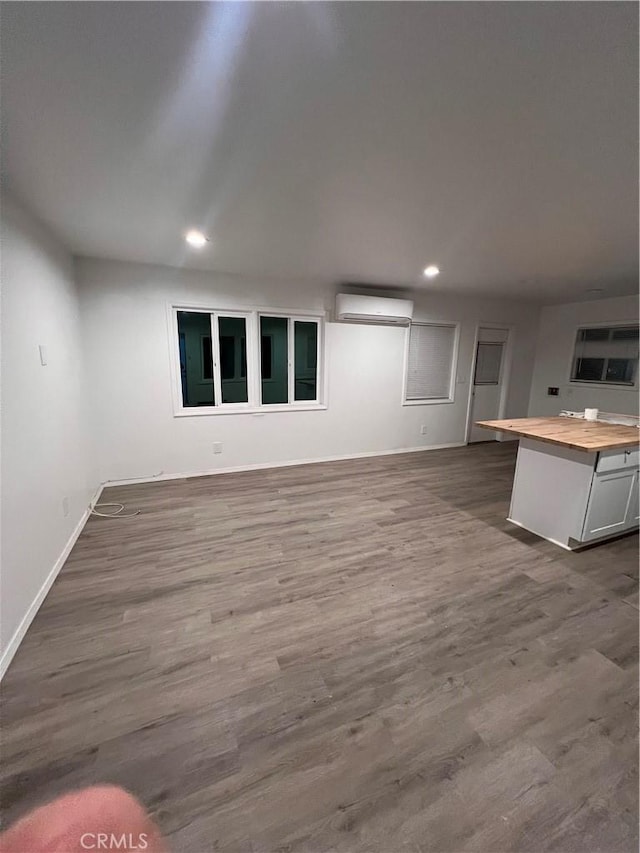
[633, 513]
[610, 504]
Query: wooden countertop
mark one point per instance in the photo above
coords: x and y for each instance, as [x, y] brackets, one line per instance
[590, 436]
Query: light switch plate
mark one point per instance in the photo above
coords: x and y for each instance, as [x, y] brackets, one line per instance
[43, 354]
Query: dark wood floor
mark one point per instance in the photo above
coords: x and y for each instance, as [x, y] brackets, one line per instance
[355, 656]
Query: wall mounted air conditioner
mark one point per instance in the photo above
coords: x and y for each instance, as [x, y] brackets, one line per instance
[354, 308]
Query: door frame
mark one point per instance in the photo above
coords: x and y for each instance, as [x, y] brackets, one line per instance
[506, 374]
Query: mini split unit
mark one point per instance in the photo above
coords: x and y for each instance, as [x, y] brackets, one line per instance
[381, 310]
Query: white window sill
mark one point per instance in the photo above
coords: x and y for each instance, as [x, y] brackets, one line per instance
[438, 402]
[200, 411]
[629, 386]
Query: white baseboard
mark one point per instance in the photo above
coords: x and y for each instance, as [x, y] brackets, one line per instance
[23, 627]
[259, 466]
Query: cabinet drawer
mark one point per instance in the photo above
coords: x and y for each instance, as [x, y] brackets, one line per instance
[615, 460]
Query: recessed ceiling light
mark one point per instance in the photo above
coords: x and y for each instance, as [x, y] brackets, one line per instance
[196, 239]
[431, 271]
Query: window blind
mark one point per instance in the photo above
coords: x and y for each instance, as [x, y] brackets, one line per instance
[488, 363]
[430, 363]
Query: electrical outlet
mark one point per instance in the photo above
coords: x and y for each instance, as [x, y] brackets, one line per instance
[65, 507]
[217, 447]
[423, 429]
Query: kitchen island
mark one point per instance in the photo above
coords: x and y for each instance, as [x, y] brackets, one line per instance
[576, 481]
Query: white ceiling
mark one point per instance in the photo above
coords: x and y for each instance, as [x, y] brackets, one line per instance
[341, 142]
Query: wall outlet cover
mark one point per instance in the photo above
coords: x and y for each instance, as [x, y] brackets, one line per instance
[423, 429]
[552, 391]
[217, 447]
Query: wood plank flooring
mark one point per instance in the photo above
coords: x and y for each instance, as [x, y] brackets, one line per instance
[352, 656]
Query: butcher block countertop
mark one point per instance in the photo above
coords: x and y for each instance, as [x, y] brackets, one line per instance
[590, 436]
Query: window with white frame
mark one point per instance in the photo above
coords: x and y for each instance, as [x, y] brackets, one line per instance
[230, 360]
[431, 357]
[606, 354]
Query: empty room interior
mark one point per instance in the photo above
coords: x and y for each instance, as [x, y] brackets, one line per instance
[319, 427]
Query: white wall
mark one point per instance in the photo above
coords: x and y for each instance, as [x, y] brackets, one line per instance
[554, 353]
[44, 447]
[136, 435]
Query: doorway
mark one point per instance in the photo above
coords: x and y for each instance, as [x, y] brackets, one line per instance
[489, 381]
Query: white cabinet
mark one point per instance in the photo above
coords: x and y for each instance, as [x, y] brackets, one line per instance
[572, 497]
[613, 504]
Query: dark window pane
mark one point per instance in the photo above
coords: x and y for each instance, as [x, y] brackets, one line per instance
[207, 358]
[266, 356]
[620, 370]
[194, 327]
[306, 371]
[589, 369]
[596, 334]
[275, 380]
[312, 350]
[227, 357]
[232, 337]
[627, 334]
